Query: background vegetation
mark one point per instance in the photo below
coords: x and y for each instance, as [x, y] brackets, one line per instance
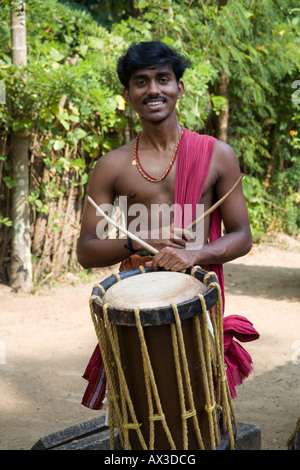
[243, 87]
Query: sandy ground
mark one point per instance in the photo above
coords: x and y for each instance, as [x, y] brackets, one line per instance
[46, 340]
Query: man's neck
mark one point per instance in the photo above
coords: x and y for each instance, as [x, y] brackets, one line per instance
[161, 136]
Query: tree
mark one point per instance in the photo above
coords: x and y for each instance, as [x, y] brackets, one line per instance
[20, 266]
[68, 99]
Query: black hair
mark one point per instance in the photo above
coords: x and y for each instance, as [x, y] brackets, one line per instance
[150, 55]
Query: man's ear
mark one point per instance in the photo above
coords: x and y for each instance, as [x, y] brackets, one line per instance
[180, 88]
[126, 95]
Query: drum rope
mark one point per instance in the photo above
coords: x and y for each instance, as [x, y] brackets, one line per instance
[108, 342]
[205, 359]
[151, 383]
[102, 340]
[125, 395]
[216, 388]
[112, 333]
[223, 392]
[176, 328]
[294, 433]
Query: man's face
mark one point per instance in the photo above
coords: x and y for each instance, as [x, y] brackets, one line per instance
[154, 93]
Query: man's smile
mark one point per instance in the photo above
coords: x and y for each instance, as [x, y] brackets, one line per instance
[153, 103]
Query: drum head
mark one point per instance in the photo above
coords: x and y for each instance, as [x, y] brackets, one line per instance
[153, 293]
[154, 289]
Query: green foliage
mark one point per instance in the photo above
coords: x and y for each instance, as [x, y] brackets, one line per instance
[69, 95]
[255, 195]
[5, 221]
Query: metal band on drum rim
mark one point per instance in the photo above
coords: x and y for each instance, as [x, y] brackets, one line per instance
[153, 316]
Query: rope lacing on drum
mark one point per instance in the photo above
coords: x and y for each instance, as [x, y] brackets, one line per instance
[223, 392]
[178, 347]
[151, 388]
[217, 394]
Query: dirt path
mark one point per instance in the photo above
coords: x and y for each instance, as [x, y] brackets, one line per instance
[46, 340]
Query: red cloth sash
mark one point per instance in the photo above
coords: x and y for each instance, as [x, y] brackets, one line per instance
[237, 359]
[193, 162]
[96, 377]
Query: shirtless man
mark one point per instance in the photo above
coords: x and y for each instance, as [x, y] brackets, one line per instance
[151, 75]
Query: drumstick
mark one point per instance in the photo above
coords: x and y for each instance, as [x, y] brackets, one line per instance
[145, 245]
[217, 204]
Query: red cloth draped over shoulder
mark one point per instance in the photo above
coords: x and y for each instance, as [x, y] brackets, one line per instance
[193, 163]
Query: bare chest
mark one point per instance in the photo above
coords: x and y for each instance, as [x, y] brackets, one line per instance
[139, 190]
[142, 197]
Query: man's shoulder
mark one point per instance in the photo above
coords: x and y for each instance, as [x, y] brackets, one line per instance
[224, 160]
[223, 150]
[115, 155]
[198, 136]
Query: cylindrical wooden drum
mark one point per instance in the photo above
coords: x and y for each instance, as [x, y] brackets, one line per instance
[158, 345]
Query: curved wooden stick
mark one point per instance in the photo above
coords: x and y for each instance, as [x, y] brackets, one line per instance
[214, 206]
[145, 245]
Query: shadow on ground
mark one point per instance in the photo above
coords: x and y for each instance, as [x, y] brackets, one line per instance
[270, 282]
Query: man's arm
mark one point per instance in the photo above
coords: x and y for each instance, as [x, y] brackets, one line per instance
[236, 242]
[92, 251]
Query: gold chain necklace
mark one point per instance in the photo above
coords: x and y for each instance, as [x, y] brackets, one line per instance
[137, 162]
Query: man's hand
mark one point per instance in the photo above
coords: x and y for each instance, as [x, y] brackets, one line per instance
[173, 259]
[165, 237]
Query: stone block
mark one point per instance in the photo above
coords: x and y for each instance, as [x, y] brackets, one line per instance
[94, 435]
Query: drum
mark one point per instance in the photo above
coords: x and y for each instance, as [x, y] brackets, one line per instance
[160, 335]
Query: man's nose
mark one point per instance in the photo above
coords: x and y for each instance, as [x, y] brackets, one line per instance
[153, 88]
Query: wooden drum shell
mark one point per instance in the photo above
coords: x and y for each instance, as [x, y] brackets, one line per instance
[160, 348]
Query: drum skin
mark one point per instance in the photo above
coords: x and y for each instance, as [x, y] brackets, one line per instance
[160, 348]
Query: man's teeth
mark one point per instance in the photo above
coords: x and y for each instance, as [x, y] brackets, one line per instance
[154, 102]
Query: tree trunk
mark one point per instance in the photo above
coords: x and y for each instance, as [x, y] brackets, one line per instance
[223, 118]
[18, 34]
[38, 237]
[20, 266]
[170, 11]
